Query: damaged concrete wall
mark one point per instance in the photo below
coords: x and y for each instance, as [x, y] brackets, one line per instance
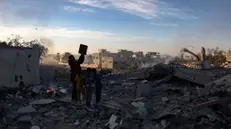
[107, 62]
[16, 62]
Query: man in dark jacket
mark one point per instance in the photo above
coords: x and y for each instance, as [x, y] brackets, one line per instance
[75, 68]
[98, 85]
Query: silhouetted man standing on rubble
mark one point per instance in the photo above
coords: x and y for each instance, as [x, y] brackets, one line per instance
[75, 68]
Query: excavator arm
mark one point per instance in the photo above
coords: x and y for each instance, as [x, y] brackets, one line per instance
[195, 55]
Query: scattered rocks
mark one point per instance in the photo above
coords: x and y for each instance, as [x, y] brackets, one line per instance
[35, 127]
[143, 90]
[164, 99]
[27, 109]
[25, 118]
[42, 101]
[36, 89]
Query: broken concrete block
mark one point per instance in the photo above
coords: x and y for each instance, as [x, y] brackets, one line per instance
[64, 91]
[77, 122]
[64, 126]
[35, 127]
[112, 104]
[144, 81]
[143, 90]
[36, 89]
[42, 101]
[193, 75]
[112, 123]
[138, 99]
[164, 99]
[27, 109]
[213, 98]
[128, 83]
[42, 110]
[141, 110]
[226, 80]
[228, 90]
[25, 119]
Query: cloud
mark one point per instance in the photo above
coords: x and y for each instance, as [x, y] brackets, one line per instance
[67, 33]
[75, 9]
[148, 9]
[164, 24]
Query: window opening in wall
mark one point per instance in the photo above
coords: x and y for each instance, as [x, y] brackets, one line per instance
[21, 77]
[28, 67]
[21, 83]
[16, 78]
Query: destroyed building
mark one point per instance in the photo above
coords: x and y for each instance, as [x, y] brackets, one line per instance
[19, 65]
[164, 96]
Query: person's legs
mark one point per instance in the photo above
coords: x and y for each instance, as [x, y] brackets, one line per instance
[88, 96]
[78, 91]
[74, 95]
[98, 94]
[83, 93]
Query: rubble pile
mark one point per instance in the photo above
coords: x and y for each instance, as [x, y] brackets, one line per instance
[160, 97]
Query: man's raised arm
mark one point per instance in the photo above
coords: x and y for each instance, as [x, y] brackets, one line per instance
[81, 59]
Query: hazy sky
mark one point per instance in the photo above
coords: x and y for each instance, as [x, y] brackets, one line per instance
[149, 25]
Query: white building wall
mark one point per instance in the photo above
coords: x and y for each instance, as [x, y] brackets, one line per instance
[15, 62]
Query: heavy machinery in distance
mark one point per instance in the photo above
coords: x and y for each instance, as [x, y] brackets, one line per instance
[200, 59]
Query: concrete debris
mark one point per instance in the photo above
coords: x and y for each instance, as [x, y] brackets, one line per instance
[143, 90]
[36, 89]
[112, 122]
[77, 122]
[42, 101]
[194, 75]
[141, 110]
[112, 104]
[128, 84]
[64, 91]
[25, 119]
[64, 126]
[159, 97]
[35, 127]
[138, 99]
[164, 99]
[144, 81]
[27, 109]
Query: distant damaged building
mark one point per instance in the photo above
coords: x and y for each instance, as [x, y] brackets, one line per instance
[103, 59]
[228, 56]
[19, 65]
[152, 54]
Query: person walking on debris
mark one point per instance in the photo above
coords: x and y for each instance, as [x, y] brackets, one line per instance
[98, 86]
[80, 87]
[75, 68]
[89, 84]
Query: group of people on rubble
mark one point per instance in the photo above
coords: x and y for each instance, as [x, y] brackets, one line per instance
[84, 83]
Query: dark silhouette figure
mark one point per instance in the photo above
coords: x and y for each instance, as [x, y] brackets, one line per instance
[75, 69]
[98, 85]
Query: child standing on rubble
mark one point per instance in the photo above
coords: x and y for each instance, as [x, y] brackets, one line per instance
[89, 84]
[80, 87]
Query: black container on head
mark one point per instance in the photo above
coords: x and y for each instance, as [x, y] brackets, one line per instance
[83, 49]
